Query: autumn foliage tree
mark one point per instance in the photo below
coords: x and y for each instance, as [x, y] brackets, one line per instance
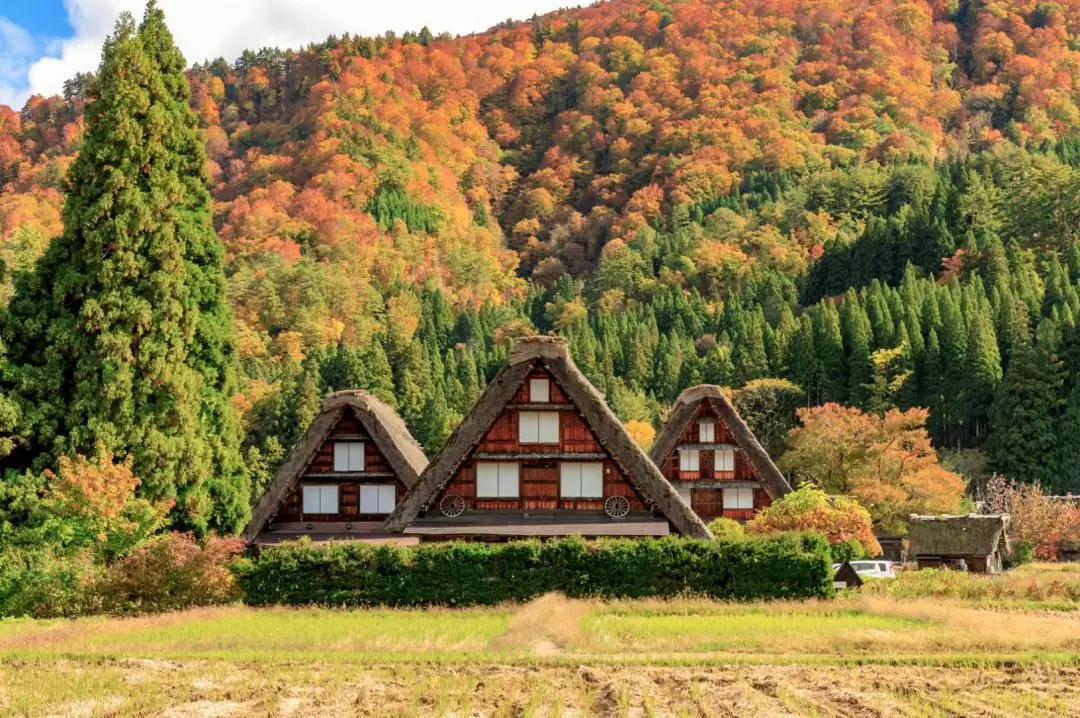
[642, 433]
[885, 462]
[839, 518]
[1035, 518]
[92, 503]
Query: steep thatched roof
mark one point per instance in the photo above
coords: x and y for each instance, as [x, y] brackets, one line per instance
[683, 411]
[973, 534]
[383, 425]
[551, 353]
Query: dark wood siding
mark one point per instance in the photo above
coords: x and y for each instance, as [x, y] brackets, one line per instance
[707, 503]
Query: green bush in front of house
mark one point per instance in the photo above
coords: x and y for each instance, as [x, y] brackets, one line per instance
[465, 574]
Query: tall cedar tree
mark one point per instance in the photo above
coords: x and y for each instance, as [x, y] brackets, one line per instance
[1023, 442]
[122, 334]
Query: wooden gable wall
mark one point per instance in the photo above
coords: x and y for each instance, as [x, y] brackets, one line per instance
[321, 471]
[708, 503]
[691, 434]
[538, 472]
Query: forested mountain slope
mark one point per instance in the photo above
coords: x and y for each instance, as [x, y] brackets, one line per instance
[690, 191]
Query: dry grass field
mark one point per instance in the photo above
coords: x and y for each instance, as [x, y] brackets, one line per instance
[913, 648]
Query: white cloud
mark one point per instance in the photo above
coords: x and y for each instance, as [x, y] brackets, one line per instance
[17, 50]
[207, 29]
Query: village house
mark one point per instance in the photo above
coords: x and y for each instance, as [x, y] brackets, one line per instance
[541, 454]
[708, 453]
[980, 541]
[345, 476]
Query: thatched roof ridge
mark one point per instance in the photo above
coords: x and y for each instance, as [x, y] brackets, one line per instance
[972, 534]
[682, 412]
[527, 349]
[383, 425]
[552, 353]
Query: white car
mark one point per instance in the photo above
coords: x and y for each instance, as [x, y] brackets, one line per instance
[871, 569]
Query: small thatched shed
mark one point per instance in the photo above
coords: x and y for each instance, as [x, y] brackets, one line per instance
[980, 540]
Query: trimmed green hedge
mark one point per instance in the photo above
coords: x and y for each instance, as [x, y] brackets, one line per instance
[465, 574]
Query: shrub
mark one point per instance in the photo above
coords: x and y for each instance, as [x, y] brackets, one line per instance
[839, 518]
[172, 571]
[846, 551]
[1022, 552]
[39, 583]
[726, 528]
[463, 574]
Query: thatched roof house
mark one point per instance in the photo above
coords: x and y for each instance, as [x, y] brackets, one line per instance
[347, 473]
[980, 540]
[541, 454]
[713, 459]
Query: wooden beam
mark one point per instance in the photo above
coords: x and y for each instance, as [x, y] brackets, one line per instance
[714, 484]
[538, 456]
[714, 446]
[349, 475]
[599, 528]
[542, 406]
[348, 437]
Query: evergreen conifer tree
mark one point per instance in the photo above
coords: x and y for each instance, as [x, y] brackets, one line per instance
[379, 377]
[1023, 441]
[1066, 477]
[122, 336]
[856, 330]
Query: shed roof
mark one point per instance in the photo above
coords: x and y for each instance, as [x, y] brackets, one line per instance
[386, 429]
[682, 412]
[553, 354]
[973, 534]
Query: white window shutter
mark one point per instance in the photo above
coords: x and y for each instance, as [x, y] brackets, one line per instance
[707, 432]
[548, 428]
[487, 480]
[508, 480]
[528, 427]
[592, 480]
[348, 456]
[312, 499]
[689, 460]
[369, 499]
[724, 460]
[738, 498]
[329, 500]
[570, 479]
[539, 391]
[356, 456]
[341, 456]
[386, 499]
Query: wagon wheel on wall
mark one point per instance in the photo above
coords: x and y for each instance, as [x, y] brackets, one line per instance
[452, 506]
[617, 507]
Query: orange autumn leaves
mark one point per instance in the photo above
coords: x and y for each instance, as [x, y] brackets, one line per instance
[886, 462]
[838, 518]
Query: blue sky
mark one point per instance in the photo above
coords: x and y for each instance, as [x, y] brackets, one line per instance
[45, 42]
[39, 17]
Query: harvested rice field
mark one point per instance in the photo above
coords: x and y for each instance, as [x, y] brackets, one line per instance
[860, 655]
